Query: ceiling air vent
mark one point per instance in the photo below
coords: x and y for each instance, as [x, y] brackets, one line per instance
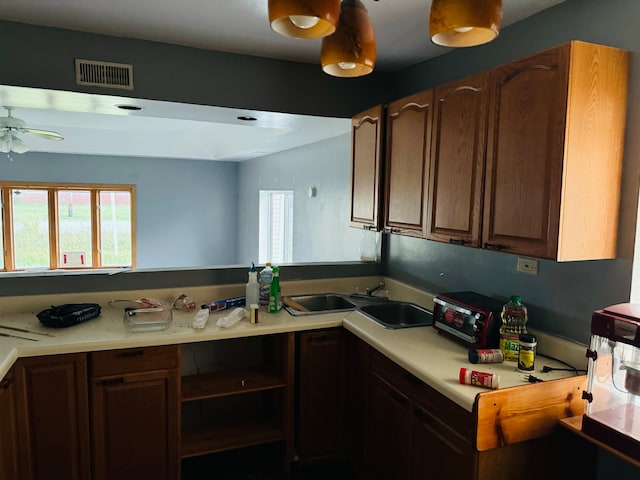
[104, 74]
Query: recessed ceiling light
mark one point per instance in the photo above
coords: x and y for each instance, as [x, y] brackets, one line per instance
[246, 118]
[134, 108]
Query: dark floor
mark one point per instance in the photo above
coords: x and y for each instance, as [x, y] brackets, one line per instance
[247, 465]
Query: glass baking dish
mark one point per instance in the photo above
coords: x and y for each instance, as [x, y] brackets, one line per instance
[147, 319]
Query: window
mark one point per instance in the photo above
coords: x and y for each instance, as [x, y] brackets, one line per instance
[72, 226]
[276, 226]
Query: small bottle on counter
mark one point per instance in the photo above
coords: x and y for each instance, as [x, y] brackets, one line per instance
[490, 355]
[253, 288]
[527, 353]
[514, 322]
[264, 280]
[479, 379]
[275, 300]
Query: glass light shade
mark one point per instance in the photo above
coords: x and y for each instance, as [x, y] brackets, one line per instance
[464, 23]
[304, 18]
[351, 50]
[10, 143]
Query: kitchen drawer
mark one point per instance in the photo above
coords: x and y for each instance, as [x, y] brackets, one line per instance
[115, 362]
[459, 419]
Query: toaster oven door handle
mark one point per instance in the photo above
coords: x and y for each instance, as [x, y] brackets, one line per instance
[457, 308]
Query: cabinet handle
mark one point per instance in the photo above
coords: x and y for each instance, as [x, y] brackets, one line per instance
[424, 418]
[494, 246]
[317, 338]
[458, 241]
[113, 381]
[131, 353]
[399, 399]
[6, 383]
[368, 227]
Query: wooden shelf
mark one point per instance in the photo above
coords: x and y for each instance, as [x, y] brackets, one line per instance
[222, 384]
[202, 440]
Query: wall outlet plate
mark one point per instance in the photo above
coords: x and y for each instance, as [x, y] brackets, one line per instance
[527, 265]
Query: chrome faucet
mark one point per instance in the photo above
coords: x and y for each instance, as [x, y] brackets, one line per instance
[370, 291]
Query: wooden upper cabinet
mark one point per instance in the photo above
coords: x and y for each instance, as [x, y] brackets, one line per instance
[407, 163]
[366, 146]
[454, 207]
[554, 153]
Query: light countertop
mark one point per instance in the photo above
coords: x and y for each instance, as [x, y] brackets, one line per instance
[421, 350]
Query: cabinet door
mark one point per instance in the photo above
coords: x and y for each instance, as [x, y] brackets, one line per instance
[322, 395]
[358, 403]
[135, 426]
[134, 416]
[390, 427]
[8, 441]
[457, 161]
[438, 452]
[366, 145]
[407, 163]
[53, 417]
[525, 153]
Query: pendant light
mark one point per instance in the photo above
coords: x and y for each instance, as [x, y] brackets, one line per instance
[304, 18]
[351, 50]
[464, 23]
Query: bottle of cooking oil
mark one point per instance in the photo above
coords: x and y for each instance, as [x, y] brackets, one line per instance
[514, 322]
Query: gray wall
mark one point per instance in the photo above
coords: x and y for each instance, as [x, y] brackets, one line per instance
[563, 296]
[43, 57]
[320, 223]
[183, 206]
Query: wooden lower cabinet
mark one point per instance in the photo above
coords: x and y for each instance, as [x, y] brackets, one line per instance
[322, 395]
[438, 451]
[417, 433]
[134, 413]
[389, 440]
[53, 417]
[358, 401]
[8, 439]
[410, 440]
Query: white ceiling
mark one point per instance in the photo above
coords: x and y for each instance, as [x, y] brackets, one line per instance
[165, 129]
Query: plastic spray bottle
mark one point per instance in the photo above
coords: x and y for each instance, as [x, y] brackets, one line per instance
[253, 288]
[275, 301]
[264, 279]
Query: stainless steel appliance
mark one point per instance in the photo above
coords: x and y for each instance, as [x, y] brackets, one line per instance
[469, 318]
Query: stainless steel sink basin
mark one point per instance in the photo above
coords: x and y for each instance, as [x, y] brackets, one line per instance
[322, 303]
[398, 314]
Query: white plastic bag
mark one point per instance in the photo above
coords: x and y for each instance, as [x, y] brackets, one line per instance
[200, 320]
[233, 318]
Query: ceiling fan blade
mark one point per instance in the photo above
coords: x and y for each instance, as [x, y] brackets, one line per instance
[47, 134]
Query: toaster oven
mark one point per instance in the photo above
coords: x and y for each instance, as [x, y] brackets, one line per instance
[468, 318]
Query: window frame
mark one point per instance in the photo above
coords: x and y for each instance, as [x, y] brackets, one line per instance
[52, 190]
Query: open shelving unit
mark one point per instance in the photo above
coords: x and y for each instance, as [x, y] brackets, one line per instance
[244, 400]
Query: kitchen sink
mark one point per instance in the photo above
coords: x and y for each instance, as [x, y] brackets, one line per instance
[398, 314]
[322, 303]
[387, 313]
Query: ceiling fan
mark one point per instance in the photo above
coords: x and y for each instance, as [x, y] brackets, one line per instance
[11, 127]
